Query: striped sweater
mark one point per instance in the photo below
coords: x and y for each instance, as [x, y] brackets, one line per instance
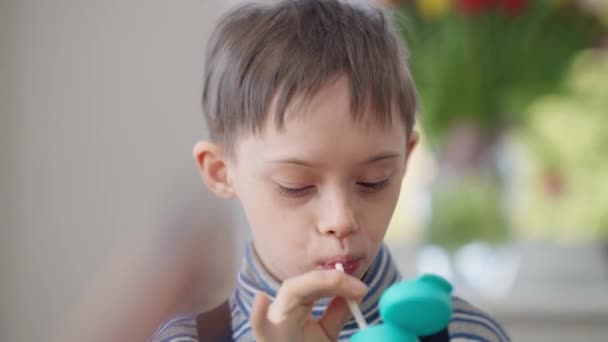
[467, 323]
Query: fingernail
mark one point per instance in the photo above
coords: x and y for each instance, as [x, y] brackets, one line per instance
[274, 315]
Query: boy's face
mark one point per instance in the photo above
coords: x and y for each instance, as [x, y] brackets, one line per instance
[323, 188]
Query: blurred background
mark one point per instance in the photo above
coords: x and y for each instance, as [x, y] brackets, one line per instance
[507, 196]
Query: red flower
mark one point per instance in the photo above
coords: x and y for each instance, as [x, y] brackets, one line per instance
[512, 7]
[473, 7]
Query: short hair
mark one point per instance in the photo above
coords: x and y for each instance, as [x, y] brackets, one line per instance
[260, 53]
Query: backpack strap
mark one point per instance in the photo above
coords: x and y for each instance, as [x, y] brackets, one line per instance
[441, 336]
[215, 325]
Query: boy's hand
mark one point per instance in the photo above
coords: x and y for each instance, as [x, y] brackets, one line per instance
[289, 317]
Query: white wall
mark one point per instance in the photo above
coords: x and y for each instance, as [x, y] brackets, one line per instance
[100, 128]
[6, 77]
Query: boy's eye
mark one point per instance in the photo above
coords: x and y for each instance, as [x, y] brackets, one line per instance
[373, 186]
[295, 192]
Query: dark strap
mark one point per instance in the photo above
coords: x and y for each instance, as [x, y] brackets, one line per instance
[215, 325]
[442, 336]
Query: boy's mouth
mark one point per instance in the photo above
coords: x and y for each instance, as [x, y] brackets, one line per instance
[351, 265]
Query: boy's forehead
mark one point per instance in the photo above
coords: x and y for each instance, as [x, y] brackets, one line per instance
[324, 128]
[330, 105]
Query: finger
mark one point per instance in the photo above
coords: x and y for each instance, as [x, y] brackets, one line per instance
[309, 287]
[304, 289]
[336, 316]
[258, 320]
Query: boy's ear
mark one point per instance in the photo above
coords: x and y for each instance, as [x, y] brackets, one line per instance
[412, 142]
[213, 166]
[411, 145]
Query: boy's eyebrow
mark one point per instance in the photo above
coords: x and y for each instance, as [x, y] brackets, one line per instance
[301, 162]
[383, 156]
[294, 161]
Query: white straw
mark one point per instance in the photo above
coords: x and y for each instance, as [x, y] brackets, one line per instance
[354, 308]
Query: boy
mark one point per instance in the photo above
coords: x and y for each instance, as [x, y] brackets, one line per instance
[310, 108]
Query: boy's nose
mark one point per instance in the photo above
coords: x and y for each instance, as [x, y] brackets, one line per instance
[337, 218]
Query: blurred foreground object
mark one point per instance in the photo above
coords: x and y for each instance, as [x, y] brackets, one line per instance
[186, 267]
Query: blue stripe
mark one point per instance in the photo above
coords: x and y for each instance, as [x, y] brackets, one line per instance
[168, 339]
[233, 303]
[474, 322]
[244, 326]
[368, 318]
[247, 282]
[182, 324]
[370, 322]
[241, 304]
[380, 282]
[318, 312]
[173, 322]
[480, 314]
[249, 258]
[503, 333]
[236, 338]
[346, 336]
[240, 326]
[375, 268]
[469, 336]
[394, 279]
[234, 311]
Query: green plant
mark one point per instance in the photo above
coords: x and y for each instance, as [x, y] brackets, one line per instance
[485, 61]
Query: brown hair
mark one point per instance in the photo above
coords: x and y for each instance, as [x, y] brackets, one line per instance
[261, 53]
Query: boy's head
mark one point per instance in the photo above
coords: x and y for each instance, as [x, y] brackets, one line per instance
[310, 108]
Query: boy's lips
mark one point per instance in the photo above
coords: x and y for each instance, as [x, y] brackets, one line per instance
[351, 265]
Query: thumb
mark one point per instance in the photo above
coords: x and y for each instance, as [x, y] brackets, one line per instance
[336, 316]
